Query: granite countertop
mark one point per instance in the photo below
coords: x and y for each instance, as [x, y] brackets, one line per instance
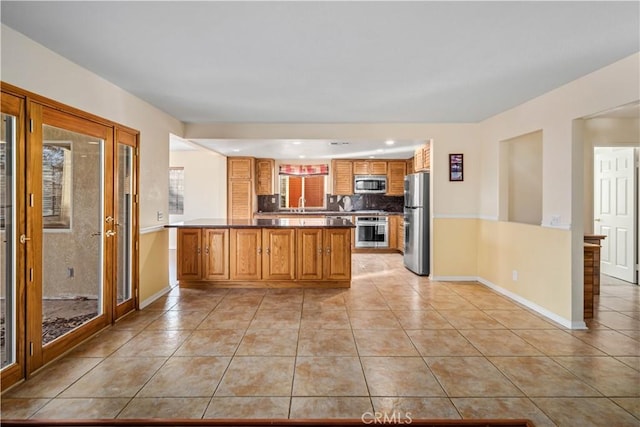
[328, 213]
[264, 223]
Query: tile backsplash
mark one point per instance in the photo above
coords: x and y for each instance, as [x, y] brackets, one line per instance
[355, 202]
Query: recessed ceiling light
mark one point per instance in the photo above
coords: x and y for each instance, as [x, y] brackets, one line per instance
[235, 150]
[297, 142]
[372, 157]
[379, 150]
[389, 142]
[302, 156]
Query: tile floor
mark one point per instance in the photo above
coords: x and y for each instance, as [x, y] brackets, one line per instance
[394, 342]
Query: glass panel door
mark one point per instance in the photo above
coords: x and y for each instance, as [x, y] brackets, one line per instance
[124, 223]
[7, 242]
[12, 252]
[70, 220]
[72, 247]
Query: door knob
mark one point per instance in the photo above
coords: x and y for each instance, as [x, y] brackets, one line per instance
[24, 239]
[596, 219]
[110, 233]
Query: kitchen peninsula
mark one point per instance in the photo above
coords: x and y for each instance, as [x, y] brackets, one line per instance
[301, 252]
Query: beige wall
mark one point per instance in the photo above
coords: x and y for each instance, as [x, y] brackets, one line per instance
[523, 155]
[30, 66]
[205, 186]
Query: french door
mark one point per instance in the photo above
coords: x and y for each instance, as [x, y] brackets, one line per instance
[68, 221]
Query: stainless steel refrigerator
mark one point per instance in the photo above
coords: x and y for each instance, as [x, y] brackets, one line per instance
[416, 223]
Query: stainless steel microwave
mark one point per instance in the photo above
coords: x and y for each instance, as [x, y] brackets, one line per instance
[370, 184]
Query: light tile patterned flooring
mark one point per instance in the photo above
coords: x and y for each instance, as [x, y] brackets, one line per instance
[393, 342]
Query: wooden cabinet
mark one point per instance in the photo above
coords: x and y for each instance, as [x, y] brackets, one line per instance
[591, 276]
[324, 254]
[203, 254]
[393, 232]
[342, 171]
[337, 254]
[270, 257]
[240, 191]
[395, 177]
[410, 165]
[278, 250]
[216, 254]
[190, 256]
[369, 167]
[265, 177]
[422, 158]
[309, 253]
[400, 235]
[245, 249]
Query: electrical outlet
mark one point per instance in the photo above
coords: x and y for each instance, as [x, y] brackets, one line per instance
[555, 220]
[159, 215]
[514, 275]
[273, 200]
[70, 272]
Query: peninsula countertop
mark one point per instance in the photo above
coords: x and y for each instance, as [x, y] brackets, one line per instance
[264, 223]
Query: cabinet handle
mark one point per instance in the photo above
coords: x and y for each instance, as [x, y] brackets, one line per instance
[320, 250]
[328, 249]
[198, 250]
[206, 250]
[259, 250]
[268, 251]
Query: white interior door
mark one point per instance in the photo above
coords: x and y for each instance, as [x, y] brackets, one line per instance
[615, 195]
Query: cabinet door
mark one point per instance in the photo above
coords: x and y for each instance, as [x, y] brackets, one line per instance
[401, 234]
[337, 253]
[418, 162]
[342, 177]
[426, 157]
[360, 167]
[264, 177]
[309, 253]
[410, 165]
[393, 231]
[278, 255]
[240, 199]
[240, 167]
[377, 167]
[189, 254]
[397, 171]
[216, 254]
[245, 247]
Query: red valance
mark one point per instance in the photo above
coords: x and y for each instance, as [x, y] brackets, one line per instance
[304, 170]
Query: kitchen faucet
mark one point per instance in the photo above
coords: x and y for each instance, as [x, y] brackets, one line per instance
[301, 202]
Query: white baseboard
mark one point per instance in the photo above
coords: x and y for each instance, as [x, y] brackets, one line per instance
[154, 297]
[454, 278]
[533, 306]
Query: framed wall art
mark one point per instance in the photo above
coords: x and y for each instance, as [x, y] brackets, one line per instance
[456, 167]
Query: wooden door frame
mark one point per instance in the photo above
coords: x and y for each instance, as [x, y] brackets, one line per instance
[24, 103]
[15, 106]
[131, 139]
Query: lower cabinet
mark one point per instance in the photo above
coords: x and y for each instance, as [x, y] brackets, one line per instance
[263, 255]
[203, 254]
[323, 254]
[246, 254]
[278, 260]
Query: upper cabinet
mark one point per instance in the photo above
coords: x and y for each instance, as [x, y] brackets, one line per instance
[342, 171]
[240, 187]
[369, 167]
[395, 177]
[422, 158]
[264, 177]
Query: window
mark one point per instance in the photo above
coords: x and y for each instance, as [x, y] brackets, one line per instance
[56, 185]
[302, 191]
[176, 191]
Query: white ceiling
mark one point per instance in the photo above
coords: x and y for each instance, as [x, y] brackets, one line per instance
[292, 149]
[333, 61]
